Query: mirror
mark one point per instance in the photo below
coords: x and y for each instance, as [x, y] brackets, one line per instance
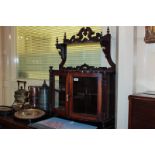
[85, 53]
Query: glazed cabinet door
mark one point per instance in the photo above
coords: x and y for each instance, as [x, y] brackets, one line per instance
[59, 91]
[85, 96]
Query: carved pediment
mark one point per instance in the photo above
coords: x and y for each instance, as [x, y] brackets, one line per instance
[84, 35]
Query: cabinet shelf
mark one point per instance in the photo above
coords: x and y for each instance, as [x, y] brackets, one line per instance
[59, 90]
[83, 95]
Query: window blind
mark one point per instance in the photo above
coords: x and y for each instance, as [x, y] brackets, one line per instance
[36, 50]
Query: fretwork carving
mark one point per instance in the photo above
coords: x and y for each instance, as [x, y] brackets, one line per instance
[85, 35]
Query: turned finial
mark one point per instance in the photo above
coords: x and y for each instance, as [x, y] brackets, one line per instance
[57, 40]
[108, 30]
[64, 36]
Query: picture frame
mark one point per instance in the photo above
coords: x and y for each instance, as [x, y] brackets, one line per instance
[149, 34]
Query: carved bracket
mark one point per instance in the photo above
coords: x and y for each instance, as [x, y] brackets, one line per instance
[105, 44]
[62, 49]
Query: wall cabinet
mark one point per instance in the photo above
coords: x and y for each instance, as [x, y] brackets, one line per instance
[83, 96]
[84, 93]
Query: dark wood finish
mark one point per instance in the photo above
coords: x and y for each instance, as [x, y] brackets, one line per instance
[62, 49]
[141, 111]
[9, 122]
[103, 82]
[105, 92]
[85, 35]
[85, 116]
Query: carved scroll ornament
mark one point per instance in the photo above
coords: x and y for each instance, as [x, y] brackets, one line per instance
[85, 35]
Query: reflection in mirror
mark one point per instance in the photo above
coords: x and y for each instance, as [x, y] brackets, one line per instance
[85, 53]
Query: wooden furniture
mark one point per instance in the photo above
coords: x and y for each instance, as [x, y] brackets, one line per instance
[11, 122]
[142, 111]
[84, 93]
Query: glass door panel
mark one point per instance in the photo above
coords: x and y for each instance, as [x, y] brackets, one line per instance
[85, 95]
[60, 92]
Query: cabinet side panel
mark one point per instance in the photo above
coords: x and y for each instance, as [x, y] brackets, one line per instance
[141, 113]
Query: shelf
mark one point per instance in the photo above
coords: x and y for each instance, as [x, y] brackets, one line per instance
[82, 96]
[60, 90]
[86, 94]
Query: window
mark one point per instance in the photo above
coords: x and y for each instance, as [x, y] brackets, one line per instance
[36, 50]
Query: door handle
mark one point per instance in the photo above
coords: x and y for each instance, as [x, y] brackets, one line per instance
[67, 97]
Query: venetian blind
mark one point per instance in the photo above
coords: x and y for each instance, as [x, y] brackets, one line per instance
[36, 50]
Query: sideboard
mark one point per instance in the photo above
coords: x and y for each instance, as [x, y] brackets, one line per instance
[142, 111]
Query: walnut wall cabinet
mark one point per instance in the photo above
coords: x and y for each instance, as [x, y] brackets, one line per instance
[142, 111]
[84, 93]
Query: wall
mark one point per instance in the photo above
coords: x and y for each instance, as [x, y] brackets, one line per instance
[9, 65]
[135, 68]
[1, 68]
[125, 76]
[145, 63]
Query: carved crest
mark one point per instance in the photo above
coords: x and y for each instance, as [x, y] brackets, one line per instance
[85, 35]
